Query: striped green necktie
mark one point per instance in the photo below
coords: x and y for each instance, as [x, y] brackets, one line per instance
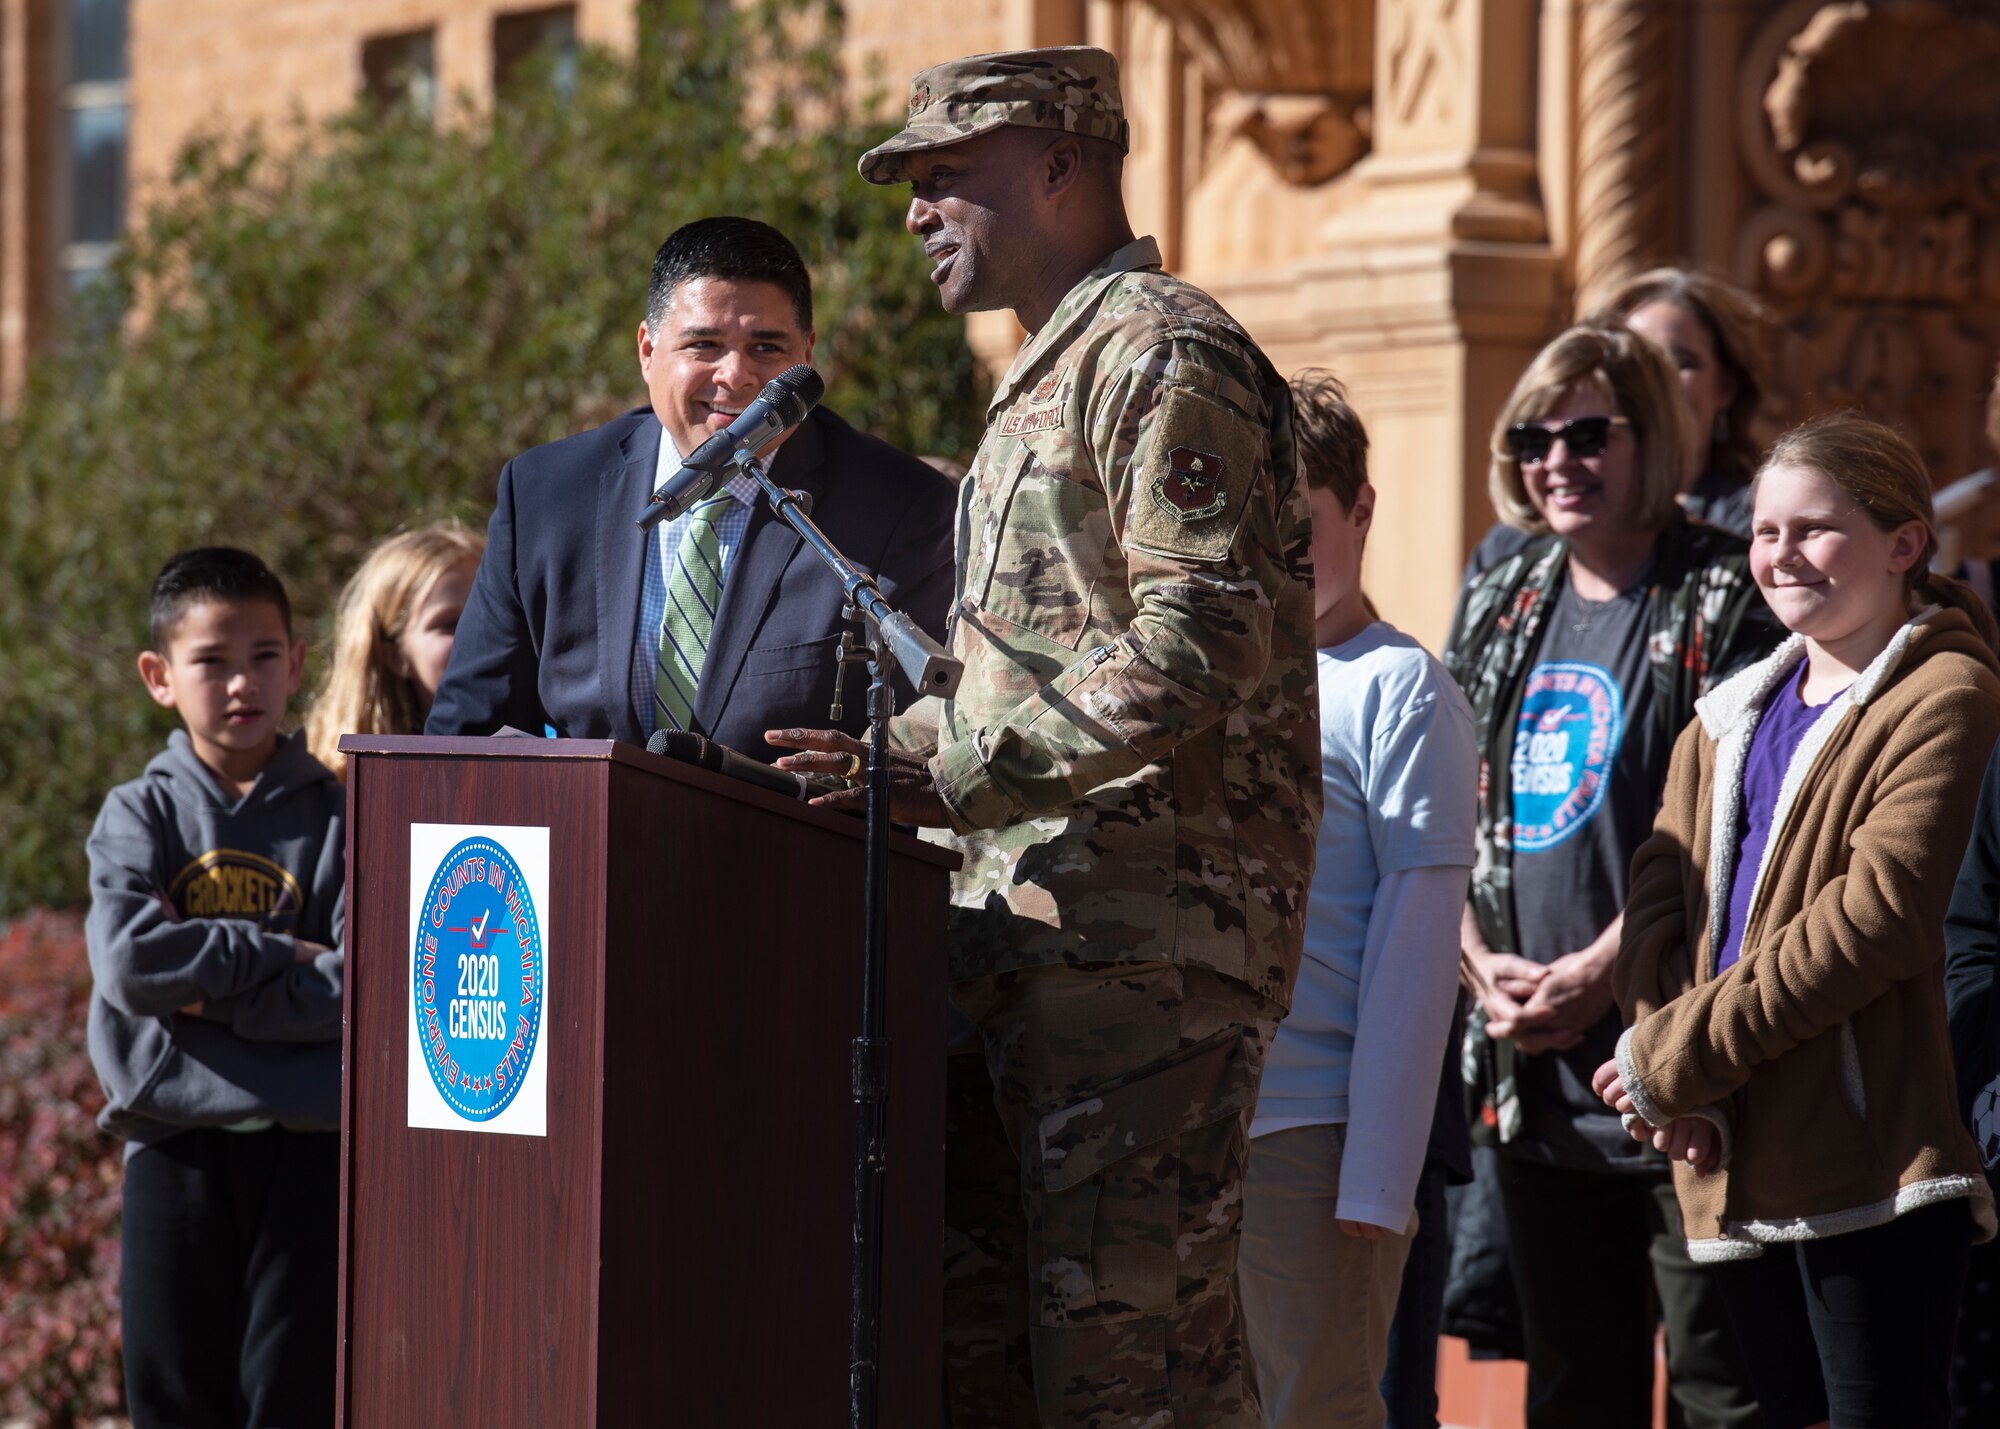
[694, 590]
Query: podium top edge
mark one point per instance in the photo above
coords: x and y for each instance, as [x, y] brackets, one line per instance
[612, 751]
[510, 746]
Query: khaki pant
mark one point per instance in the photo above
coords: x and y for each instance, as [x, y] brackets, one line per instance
[1094, 1185]
[1318, 1302]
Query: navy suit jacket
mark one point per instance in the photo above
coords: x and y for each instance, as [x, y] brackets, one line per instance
[548, 632]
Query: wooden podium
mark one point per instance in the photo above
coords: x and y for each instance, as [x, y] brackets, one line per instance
[674, 1250]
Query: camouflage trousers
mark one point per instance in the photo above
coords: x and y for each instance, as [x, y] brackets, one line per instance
[1096, 1145]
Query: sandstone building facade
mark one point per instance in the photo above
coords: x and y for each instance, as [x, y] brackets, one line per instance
[1416, 193]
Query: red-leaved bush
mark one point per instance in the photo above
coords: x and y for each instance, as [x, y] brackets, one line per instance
[60, 1181]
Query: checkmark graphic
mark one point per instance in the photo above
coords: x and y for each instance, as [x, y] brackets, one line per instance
[479, 929]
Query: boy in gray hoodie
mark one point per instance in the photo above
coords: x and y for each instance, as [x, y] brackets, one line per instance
[215, 932]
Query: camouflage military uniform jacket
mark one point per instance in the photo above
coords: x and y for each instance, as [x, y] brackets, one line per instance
[1708, 620]
[1131, 762]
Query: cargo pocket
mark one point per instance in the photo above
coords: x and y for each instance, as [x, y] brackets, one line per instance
[1107, 1233]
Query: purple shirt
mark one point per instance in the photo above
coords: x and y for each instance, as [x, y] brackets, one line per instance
[1786, 719]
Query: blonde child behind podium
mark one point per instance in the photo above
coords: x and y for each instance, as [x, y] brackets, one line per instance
[392, 637]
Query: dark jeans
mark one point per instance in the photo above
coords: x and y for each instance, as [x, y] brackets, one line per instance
[1597, 1259]
[1856, 1327]
[1975, 1367]
[1409, 1383]
[230, 1261]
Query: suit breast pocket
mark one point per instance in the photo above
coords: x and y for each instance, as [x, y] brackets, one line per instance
[1052, 548]
[809, 655]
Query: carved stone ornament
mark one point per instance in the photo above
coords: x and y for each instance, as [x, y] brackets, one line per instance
[1427, 61]
[1294, 79]
[1308, 138]
[1872, 128]
[1876, 128]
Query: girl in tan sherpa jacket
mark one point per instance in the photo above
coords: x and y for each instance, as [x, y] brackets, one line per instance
[1782, 956]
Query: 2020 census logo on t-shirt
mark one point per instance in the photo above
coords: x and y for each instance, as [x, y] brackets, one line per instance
[1572, 719]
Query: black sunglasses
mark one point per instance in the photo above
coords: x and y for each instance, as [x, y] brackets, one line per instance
[1531, 442]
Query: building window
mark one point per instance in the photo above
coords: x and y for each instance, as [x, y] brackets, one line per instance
[400, 71]
[97, 129]
[525, 34]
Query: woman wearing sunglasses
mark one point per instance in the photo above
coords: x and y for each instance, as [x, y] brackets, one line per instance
[1714, 333]
[1582, 655]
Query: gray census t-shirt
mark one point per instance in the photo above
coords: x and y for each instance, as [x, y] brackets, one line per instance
[1589, 763]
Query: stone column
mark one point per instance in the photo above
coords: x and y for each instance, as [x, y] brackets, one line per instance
[1626, 193]
[1432, 288]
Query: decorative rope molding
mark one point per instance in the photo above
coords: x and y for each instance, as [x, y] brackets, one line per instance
[1625, 126]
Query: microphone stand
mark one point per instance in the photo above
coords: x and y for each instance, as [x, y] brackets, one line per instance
[892, 641]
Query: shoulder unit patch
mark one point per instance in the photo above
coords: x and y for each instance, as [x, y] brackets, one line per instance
[1192, 479]
[1191, 487]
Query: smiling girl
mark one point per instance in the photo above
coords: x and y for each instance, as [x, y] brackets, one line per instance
[1782, 954]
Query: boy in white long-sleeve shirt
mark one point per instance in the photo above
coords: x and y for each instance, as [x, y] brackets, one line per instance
[1339, 1134]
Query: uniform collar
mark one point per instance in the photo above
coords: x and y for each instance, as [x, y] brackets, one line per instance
[1075, 308]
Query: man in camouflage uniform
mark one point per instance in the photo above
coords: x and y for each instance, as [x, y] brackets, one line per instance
[1130, 766]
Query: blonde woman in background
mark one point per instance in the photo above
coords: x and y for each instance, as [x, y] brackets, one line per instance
[392, 637]
[1717, 335]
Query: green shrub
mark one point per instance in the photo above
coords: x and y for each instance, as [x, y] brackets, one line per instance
[348, 328]
[60, 1185]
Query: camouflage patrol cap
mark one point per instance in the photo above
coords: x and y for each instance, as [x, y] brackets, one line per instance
[1073, 88]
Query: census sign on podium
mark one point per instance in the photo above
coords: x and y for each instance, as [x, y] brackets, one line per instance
[478, 973]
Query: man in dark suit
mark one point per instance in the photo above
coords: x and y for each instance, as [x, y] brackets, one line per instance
[721, 621]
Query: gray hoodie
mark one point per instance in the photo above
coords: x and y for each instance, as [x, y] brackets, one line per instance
[194, 899]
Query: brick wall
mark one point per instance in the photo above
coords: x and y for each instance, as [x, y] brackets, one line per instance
[199, 64]
[27, 227]
[220, 65]
[890, 40]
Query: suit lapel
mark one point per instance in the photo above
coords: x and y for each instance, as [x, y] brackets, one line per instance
[621, 556]
[751, 587]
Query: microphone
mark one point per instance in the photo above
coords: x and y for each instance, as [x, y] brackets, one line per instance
[782, 405]
[706, 753]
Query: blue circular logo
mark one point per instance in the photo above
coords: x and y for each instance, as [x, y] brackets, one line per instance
[1572, 719]
[477, 979]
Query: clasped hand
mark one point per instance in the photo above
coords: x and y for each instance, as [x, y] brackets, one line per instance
[1692, 1139]
[1544, 1007]
[832, 754]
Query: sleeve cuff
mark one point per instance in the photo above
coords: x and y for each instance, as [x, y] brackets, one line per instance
[970, 797]
[1382, 1216]
[1628, 1073]
[915, 731]
[274, 955]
